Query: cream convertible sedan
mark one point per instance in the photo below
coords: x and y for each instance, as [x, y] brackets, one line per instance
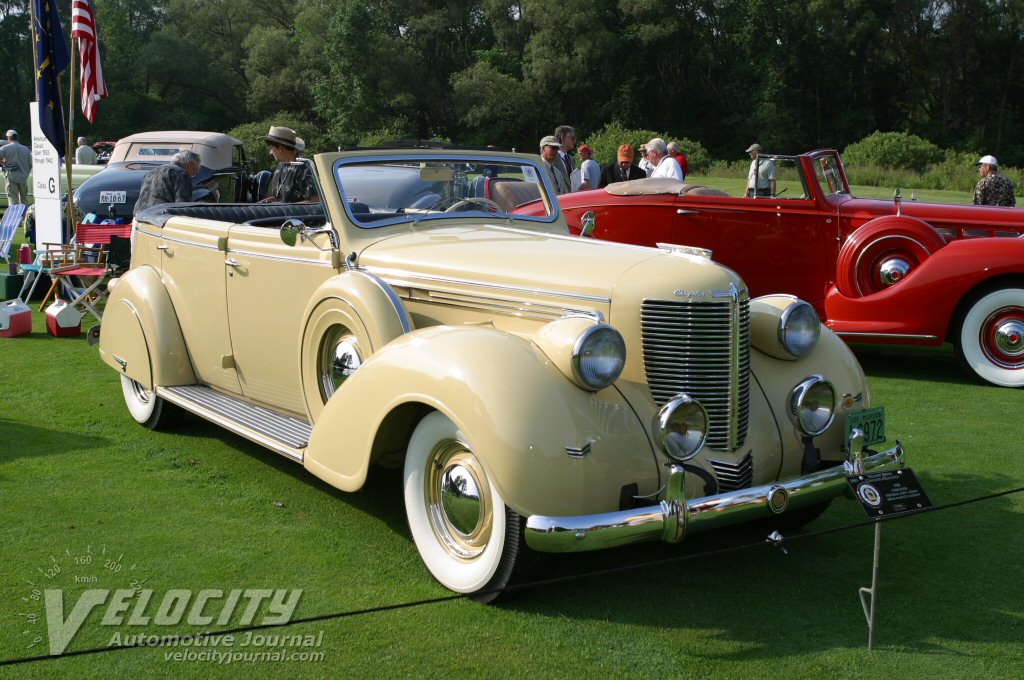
[546, 392]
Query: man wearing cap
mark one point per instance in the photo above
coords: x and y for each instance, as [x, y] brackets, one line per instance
[645, 164]
[761, 178]
[993, 188]
[665, 166]
[623, 170]
[590, 171]
[292, 181]
[549, 147]
[17, 163]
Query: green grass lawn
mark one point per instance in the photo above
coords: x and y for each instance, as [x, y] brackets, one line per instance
[200, 508]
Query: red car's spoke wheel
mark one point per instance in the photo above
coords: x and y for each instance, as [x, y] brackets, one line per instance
[991, 341]
[878, 256]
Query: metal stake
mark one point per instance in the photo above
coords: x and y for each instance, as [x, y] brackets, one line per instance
[869, 609]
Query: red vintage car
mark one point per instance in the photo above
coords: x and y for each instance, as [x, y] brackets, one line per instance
[890, 271]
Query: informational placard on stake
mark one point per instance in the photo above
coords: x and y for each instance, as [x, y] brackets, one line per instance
[45, 184]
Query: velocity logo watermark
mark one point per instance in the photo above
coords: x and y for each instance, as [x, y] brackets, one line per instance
[138, 608]
[84, 589]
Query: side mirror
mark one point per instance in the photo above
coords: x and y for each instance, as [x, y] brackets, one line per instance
[290, 232]
[588, 223]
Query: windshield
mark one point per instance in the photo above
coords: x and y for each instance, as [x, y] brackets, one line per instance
[382, 191]
[829, 178]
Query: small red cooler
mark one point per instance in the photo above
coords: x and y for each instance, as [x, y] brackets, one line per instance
[63, 320]
[15, 319]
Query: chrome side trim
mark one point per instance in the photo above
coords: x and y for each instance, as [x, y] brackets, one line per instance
[411, 277]
[283, 258]
[184, 242]
[140, 230]
[886, 335]
[674, 516]
[281, 434]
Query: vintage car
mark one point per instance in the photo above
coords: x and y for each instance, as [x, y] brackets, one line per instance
[223, 178]
[545, 392]
[906, 272]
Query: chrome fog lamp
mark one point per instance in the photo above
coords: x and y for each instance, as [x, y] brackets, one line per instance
[680, 427]
[812, 405]
[799, 329]
[598, 357]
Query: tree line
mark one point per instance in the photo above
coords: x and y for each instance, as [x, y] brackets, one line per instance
[790, 74]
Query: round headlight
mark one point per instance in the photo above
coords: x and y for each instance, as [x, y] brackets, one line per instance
[598, 357]
[812, 405]
[681, 427]
[799, 329]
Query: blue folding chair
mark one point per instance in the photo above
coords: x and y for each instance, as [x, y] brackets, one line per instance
[12, 218]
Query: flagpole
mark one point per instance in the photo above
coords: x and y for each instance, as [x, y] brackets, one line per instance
[68, 153]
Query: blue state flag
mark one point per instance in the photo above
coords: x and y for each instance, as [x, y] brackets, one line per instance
[52, 57]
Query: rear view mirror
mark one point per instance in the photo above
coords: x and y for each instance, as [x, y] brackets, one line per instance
[436, 174]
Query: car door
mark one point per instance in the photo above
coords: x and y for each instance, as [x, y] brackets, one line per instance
[777, 245]
[192, 262]
[268, 287]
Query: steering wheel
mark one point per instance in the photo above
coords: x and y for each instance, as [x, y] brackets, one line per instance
[474, 200]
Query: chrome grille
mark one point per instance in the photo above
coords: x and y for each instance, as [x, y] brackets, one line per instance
[732, 476]
[702, 348]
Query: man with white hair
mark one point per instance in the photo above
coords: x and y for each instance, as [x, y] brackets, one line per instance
[664, 165]
[84, 154]
[993, 188]
[170, 182]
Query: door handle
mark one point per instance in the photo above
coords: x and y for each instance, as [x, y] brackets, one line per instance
[681, 211]
[231, 262]
[162, 247]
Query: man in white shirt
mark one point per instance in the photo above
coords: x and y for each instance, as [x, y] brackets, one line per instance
[590, 171]
[664, 165]
[645, 164]
[761, 178]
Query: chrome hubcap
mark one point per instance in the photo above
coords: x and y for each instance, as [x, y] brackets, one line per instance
[1010, 338]
[893, 271]
[339, 359]
[141, 393]
[457, 503]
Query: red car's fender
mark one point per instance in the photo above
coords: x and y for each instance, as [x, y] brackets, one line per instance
[921, 308]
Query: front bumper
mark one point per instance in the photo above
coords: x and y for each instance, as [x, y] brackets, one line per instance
[673, 517]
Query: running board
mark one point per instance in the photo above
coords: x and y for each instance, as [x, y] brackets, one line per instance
[279, 433]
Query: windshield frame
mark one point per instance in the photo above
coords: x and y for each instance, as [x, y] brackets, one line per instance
[453, 157]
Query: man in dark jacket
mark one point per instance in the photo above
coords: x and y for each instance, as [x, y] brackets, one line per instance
[622, 171]
[170, 182]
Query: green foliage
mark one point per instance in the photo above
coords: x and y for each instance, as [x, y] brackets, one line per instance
[606, 142]
[893, 150]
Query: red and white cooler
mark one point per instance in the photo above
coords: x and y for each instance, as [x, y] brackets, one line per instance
[63, 320]
[15, 319]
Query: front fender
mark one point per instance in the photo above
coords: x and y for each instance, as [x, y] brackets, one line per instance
[141, 336]
[519, 413]
[832, 358]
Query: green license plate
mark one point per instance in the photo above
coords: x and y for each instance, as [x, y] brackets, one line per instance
[870, 421]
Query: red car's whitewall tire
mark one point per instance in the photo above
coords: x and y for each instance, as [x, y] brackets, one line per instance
[885, 248]
[470, 542]
[990, 342]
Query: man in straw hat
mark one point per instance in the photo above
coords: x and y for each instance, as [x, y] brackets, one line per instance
[292, 182]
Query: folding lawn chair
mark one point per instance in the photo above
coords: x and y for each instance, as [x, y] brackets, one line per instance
[88, 267]
[12, 218]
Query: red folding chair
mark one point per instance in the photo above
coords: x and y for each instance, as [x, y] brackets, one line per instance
[87, 267]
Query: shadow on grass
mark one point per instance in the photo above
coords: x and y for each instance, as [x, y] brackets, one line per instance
[944, 577]
[938, 364]
[381, 495]
[22, 440]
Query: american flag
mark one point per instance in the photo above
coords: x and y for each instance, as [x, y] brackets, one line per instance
[83, 27]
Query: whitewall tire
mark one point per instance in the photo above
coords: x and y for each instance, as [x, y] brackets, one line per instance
[468, 539]
[990, 343]
[147, 408]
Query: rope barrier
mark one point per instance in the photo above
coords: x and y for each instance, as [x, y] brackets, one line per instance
[775, 539]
